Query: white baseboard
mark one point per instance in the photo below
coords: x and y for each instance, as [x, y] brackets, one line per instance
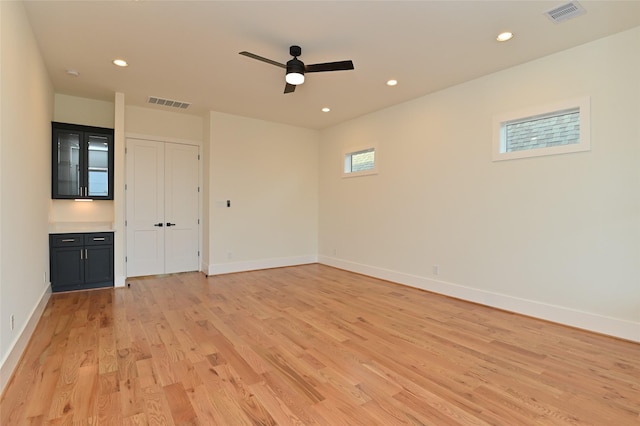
[120, 281]
[252, 265]
[615, 327]
[21, 341]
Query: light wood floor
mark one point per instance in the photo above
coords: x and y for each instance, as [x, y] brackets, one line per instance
[310, 345]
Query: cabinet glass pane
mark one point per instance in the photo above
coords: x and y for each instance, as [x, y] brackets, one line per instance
[98, 165]
[68, 163]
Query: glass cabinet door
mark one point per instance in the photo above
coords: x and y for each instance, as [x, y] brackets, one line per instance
[98, 166]
[68, 167]
[82, 162]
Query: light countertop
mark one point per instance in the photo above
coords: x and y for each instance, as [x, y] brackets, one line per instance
[73, 227]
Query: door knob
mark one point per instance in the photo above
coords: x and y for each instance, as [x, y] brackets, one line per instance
[171, 224]
[158, 224]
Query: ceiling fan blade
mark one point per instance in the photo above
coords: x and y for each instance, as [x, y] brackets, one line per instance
[260, 58]
[289, 88]
[330, 66]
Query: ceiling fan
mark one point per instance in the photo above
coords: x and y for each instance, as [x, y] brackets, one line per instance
[296, 68]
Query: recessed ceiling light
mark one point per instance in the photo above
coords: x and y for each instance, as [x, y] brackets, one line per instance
[504, 36]
[326, 109]
[392, 82]
[120, 62]
[73, 73]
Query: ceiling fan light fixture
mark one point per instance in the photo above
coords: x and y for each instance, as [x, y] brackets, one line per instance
[294, 78]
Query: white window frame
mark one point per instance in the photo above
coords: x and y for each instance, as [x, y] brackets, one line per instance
[583, 104]
[346, 156]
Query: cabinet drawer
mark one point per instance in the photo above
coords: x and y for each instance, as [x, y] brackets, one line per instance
[66, 240]
[98, 238]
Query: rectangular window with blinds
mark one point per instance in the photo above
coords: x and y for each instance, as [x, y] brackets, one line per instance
[361, 162]
[553, 129]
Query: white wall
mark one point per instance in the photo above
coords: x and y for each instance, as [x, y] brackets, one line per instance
[87, 112]
[165, 124]
[556, 237]
[269, 172]
[26, 110]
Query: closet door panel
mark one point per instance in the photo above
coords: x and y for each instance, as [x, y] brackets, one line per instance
[145, 208]
[181, 208]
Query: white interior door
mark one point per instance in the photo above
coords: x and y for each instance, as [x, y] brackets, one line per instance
[181, 208]
[145, 207]
[162, 207]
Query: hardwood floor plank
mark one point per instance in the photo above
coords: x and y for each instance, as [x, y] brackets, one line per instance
[310, 345]
[146, 374]
[131, 398]
[233, 357]
[235, 388]
[59, 404]
[107, 357]
[278, 410]
[85, 394]
[293, 400]
[108, 410]
[46, 378]
[292, 373]
[205, 411]
[156, 406]
[108, 383]
[226, 408]
[179, 404]
[162, 365]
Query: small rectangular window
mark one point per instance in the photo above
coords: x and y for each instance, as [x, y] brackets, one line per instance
[553, 129]
[362, 162]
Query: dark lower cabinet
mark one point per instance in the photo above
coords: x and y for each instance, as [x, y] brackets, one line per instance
[81, 261]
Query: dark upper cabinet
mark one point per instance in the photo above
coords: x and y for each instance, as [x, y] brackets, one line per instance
[82, 165]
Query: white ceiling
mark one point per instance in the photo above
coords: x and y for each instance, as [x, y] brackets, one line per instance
[188, 50]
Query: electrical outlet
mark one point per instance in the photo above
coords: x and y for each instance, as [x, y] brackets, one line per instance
[12, 322]
[44, 276]
[229, 255]
[436, 270]
[335, 252]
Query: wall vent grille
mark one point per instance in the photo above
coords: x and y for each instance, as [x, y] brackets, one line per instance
[565, 12]
[168, 102]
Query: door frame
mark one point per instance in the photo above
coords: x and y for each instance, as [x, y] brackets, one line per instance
[163, 139]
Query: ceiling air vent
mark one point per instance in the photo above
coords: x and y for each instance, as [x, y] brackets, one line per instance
[565, 11]
[168, 102]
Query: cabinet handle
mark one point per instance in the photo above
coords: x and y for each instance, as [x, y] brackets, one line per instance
[81, 257]
[68, 240]
[98, 239]
[86, 254]
[171, 224]
[159, 224]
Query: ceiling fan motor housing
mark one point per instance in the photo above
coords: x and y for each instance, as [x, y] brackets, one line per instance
[295, 65]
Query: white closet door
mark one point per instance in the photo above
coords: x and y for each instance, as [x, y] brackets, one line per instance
[145, 207]
[162, 208]
[181, 208]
